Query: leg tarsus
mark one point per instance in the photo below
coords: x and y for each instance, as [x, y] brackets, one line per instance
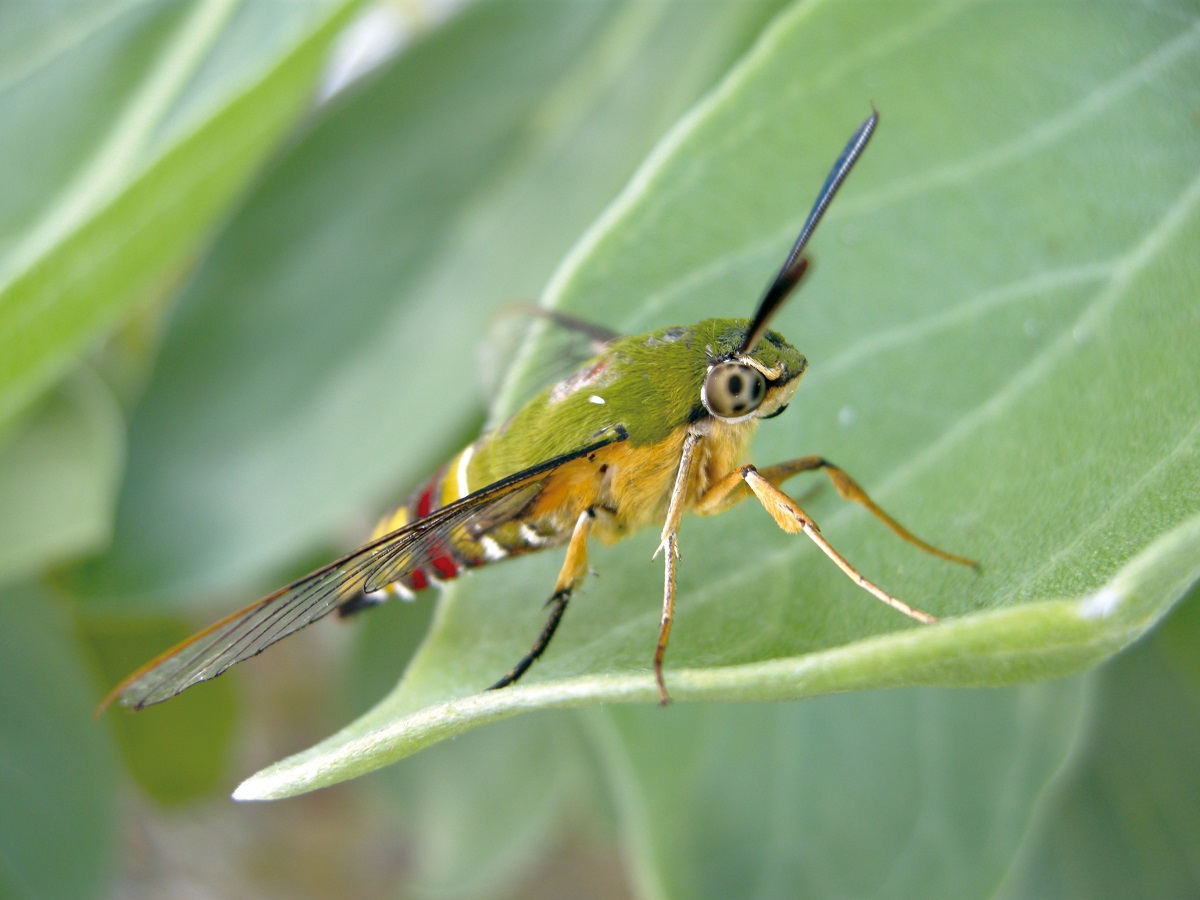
[849, 489]
[669, 547]
[573, 570]
[558, 601]
[668, 616]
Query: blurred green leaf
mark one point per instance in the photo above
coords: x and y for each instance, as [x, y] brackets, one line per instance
[57, 772]
[879, 794]
[1125, 821]
[130, 127]
[181, 752]
[58, 478]
[1028, 398]
[1180, 643]
[477, 813]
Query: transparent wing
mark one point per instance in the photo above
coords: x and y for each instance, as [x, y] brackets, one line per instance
[249, 631]
[531, 347]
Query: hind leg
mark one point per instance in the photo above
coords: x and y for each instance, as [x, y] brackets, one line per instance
[573, 570]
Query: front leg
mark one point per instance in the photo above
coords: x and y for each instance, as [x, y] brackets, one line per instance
[669, 547]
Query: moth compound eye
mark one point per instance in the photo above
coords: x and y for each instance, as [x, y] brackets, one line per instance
[732, 390]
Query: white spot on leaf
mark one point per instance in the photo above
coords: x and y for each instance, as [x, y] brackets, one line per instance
[1100, 605]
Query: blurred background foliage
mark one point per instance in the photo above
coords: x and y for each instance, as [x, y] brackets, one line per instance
[239, 316]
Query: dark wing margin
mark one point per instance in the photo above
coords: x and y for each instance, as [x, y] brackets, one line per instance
[248, 632]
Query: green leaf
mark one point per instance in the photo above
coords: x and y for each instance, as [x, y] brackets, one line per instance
[1005, 365]
[1124, 822]
[475, 814]
[1045, 639]
[57, 772]
[130, 127]
[58, 478]
[181, 752]
[877, 794]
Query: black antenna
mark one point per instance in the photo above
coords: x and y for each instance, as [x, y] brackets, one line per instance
[795, 265]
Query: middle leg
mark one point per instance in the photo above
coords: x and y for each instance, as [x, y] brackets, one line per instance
[789, 516]
[734, 488]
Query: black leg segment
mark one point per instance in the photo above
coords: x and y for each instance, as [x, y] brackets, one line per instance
[558, 605]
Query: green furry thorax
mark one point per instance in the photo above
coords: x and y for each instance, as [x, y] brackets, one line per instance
[649, 382]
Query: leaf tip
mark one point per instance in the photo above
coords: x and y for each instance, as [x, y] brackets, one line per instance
[261, 786]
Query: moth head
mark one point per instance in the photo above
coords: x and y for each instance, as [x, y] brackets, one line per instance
[742, 387]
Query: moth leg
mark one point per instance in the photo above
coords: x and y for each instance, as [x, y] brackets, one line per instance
[573, 570]
[669, 547]
[791, 518]
[734, 488]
